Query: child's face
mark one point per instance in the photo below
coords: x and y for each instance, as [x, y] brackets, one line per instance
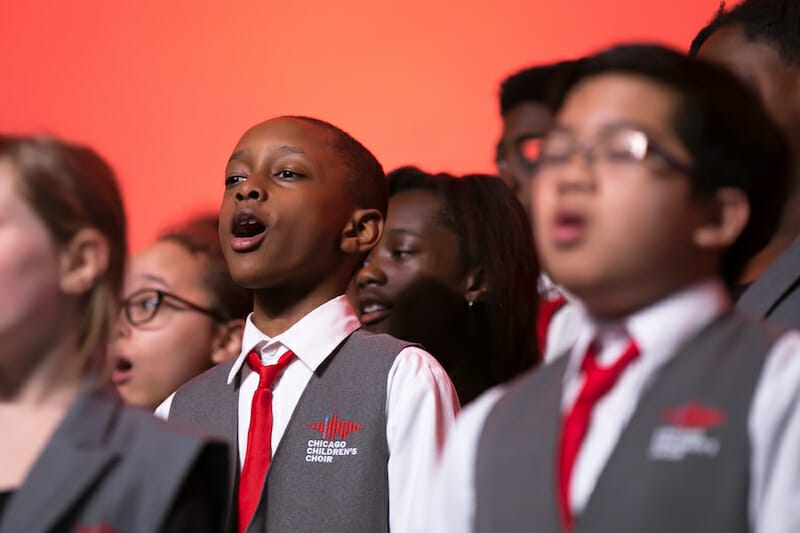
[31, 303]
[760, 65]
[523, 128]
[151, 360]
[412, 283]
[617, 232]
[285, 205]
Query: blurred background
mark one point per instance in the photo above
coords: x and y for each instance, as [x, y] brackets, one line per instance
[163, 89]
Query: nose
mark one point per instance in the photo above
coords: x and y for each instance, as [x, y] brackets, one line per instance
[370, 274]
[579, 173]
[250, 189]
[122, 328]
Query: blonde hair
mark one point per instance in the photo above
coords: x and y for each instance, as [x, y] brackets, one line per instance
[70, 187]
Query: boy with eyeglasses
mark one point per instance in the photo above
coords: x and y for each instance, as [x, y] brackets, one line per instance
[181, 315]
[672, 412]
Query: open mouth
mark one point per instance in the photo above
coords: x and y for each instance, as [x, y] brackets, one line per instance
[122, 371]
[568, 229]
[247, 231]
[371, 311]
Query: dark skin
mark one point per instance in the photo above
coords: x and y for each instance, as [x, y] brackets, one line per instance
[524, 121]
[759, 64]
[414, 287]
[288, 227]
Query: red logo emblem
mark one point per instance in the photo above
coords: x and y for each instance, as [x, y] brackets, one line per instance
[95, 528]
[694, 415]
[333, 426]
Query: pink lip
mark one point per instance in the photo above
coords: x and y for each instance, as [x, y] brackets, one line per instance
[121, 377]
[246, 244]
[374, 316]
[568, 229]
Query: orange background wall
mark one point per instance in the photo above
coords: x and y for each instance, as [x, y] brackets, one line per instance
[164, 88]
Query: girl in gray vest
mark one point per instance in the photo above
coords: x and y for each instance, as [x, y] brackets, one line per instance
[72, 456]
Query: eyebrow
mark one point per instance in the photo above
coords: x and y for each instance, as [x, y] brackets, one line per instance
[285, 149]
[403, 231]
[155, 278]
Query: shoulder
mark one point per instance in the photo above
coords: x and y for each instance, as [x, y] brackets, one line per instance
[374, 344]
[200, 385]
[138, 432]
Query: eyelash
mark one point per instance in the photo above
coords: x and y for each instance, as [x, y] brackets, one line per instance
[234, 180]
[281, 174]
[401, 253]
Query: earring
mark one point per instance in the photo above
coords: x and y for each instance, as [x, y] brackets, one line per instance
[470, 303]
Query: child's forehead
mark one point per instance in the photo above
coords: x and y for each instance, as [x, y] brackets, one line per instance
[286, 132]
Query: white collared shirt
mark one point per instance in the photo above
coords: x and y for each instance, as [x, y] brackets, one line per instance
[773, 421]
[421, 403]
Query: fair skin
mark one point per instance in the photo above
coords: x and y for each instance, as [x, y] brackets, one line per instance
[760, 65]
[622, 236]
[288, 226]
[152, 360]
[40, 362]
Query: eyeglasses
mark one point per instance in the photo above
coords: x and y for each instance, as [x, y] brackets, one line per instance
[615, 146]
[525, 150]
[143, 305]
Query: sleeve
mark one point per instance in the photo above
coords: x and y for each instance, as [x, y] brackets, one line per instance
[774, 427]
[421, 407]
[451, 502]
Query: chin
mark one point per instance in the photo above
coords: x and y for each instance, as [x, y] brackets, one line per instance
[377, 327]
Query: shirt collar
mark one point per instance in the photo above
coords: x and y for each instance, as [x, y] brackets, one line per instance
[658, 329]
[311, 339]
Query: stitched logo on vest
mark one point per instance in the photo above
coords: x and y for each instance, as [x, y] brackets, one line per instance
[333, 428]
[686, 433]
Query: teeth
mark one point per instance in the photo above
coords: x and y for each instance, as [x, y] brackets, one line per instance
[371, 308]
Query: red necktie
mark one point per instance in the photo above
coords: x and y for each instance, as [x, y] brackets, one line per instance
[548, 307]
[597, 382]
[259, 436]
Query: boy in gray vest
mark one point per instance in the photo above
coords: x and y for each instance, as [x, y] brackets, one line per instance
[672, 412]
[333, 428]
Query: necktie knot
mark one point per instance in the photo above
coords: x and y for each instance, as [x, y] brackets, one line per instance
[268, 374]
[598, 380]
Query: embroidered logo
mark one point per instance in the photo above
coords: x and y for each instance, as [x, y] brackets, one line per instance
[332, 428]
[686, 433]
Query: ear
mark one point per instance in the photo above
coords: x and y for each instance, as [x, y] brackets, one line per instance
[227, 342]
[730, 213]
[83, 261]
[362, 231]
[476, 287]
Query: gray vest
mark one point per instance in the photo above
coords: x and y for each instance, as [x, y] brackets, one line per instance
[329, 470]
[681, 463]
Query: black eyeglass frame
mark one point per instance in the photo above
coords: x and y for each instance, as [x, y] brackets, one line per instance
[162, 297]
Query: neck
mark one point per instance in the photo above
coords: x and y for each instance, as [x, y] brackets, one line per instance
[48, 377]
[276, 310]
[763, 259]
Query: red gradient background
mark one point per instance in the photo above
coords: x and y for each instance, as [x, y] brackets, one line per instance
[163, 89]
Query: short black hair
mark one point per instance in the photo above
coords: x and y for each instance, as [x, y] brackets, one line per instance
[199, 235]
[493, 232]
[367, 181]
[776, 22]
[723, 124]
[532, 85]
